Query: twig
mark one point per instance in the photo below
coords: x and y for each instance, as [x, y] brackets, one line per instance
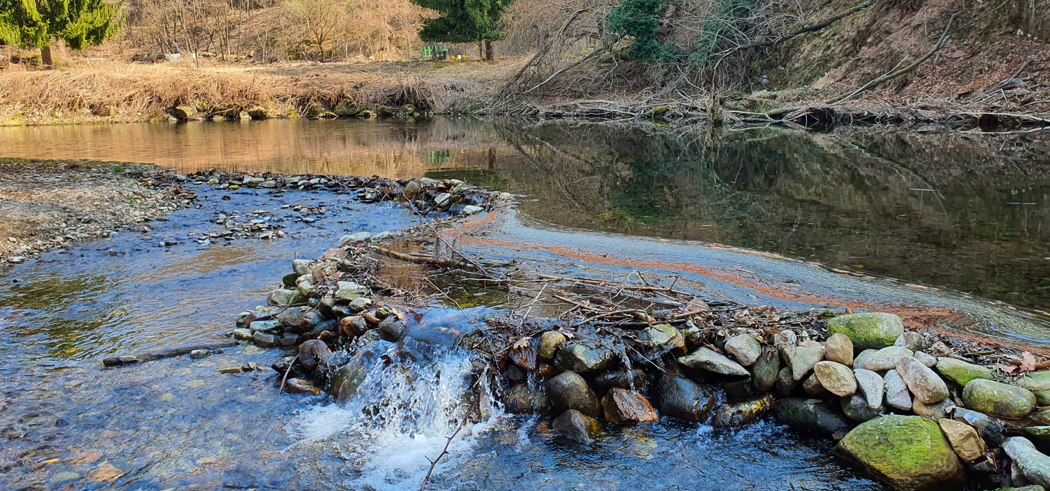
[285, 378]
[444, 451]
[531, 304]
[804, 30]
[570, 67]
[656, 289]
[634, 312]
[443, 241]
[892, 75]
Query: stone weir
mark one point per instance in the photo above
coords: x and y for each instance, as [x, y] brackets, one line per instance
[917, 409]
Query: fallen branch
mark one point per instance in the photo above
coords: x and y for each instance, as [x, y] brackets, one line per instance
[813, 28]
[413, 258]
[444, 451]
[543, 52]
[635, 313]
[570, 67]
[652, 289]
[892, 75]
[116, 361]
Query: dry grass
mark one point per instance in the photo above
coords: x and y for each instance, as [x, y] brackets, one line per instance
[121, 92]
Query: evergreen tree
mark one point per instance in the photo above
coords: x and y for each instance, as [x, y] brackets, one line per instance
[465, 21]
[36, 23]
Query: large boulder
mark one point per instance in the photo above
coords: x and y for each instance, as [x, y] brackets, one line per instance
[801, 359]
[627, 407]
[907, 452]
[872, 330]
[811, 416]
[924, 383]
[961, 372]
[581, 358]
[998, 399]
[684, 399]
[1033, 464]
[707, 359]
[1038, 383]
[570, 391]
[577, 426]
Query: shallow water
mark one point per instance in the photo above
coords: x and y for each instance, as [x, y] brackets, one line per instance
[945, 212]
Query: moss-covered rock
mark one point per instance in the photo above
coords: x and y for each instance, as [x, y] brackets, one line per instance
[811, 416]
[960, 372]
[872, 330]
[998, 399]
[907, 452]
[1039, 384]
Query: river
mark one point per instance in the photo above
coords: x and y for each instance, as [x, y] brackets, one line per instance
[923, 220]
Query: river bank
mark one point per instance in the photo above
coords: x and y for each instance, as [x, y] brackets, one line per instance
[577, 350]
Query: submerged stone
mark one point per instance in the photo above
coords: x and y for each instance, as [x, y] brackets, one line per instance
[570, 391]
[577, 426]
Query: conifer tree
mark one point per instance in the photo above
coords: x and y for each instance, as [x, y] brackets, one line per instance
[465, 21]
[37, 23]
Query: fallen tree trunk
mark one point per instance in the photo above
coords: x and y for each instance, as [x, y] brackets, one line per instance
[116, 361]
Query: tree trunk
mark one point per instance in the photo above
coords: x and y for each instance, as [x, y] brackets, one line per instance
[490, 53]
[45, 56]
[481, 49]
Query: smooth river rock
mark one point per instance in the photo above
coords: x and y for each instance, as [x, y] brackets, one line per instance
[856, 407]
[549, 343]
[577, 426]
[964, 439]
[897, 394]
[868, 330]
[998, 399]
[923, 383]
[627, 407]
[871, 386]
[961, 372]
[883, 359]
[707, 359]
[745, 348]
[1033, 464]
[911, 340]
[570, 391]
[906, 452]
[581, 358]
[1039, 384]
[836, 378]
[684, 399]
[522, 399]
[764, 371]
[839, 348]
[811, 416]
[801, 359]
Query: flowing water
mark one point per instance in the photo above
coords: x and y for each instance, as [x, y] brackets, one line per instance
[966, 220]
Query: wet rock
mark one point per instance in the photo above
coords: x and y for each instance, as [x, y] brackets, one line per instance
[811, 416]
[581, 358]
[354, 326]
[785, 383]
[242, 334]
[742, 413]
[570, 391]
[309, 321]
[348, 291]
[745, 348]
[871, 386]
[664, 336]
[623, 406]
[739, 389]
[811, 385]
[625, 379]
[964, 439]
[523, 399]
[800, 359]
[764, 371]
[961, 372]
[927, 360]
[391, 329]
[836, 378]
[990, 429]
[997, 399]
[300, 386]
[784, 339]
[288, 340]
[839, 348]
[271, 325]
[265, 340]
[361, 304]
[314, 353]
[897, 394]
[911, 340]
[856, 407]
[356, 238]
[1034, 465]
[868, 330]
[933, 410]
[291, 317]
[524, 356]
[346, 380]
[412, 190]
[684, 399]
[1039, 384]
[885, 359]
[923, 382]
[707, 359]
[199, 353]
[230, 370]
[282, 297]
[576, 426]
[907, 452]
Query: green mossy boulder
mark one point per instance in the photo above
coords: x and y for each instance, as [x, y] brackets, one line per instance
[961, 372]
[872, 330]
[1039, 384]
[998, 399]
[907, 452]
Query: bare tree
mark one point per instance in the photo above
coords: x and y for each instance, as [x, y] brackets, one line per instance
[318, 19]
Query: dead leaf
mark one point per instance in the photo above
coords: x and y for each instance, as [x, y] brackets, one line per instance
[1027, 362]
[697, 305]
[847, 311]
[1007, 368]
[106, 472]
[522, 343]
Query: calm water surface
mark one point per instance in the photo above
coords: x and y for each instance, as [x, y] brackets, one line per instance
[969, 215]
